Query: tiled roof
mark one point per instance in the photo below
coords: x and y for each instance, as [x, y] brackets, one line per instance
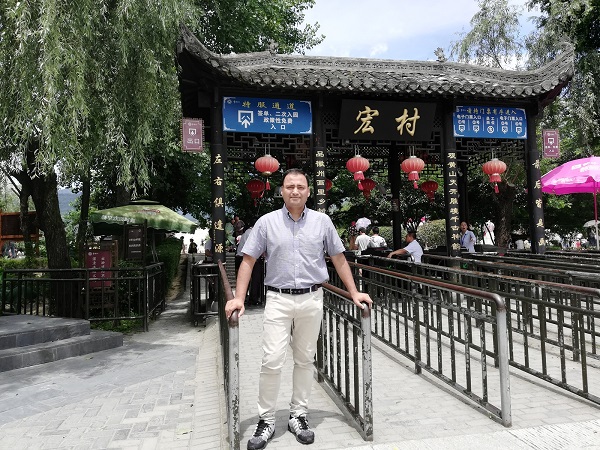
[381, 77]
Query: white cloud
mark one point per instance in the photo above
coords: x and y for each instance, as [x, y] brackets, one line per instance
[389, 29]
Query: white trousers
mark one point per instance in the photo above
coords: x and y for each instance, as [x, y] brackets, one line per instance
[294, 320]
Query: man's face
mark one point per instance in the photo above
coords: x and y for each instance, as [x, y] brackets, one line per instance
[295, 190]
[463, 227]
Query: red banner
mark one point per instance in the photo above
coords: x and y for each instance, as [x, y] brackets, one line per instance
[551, 143]
[192, 135]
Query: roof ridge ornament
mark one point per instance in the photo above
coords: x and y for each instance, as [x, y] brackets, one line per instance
[439, 52]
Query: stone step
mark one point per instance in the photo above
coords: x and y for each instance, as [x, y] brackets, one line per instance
[31, 355]
[25, 330]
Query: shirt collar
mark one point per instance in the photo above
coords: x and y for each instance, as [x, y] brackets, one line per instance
[289, 215]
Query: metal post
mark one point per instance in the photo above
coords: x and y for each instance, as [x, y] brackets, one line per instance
[505, 405]
[234, 382]
[367, 370]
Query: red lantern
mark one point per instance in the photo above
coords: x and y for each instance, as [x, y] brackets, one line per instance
[267, 165]
[367, 186]
[256, 188]
[494, 168]
[357, 165]
[328, 184]
[429, 187]
[412, 166]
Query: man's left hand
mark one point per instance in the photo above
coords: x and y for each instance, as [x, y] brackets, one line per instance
[360, 298]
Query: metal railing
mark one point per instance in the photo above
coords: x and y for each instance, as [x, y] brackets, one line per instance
[230, 345]
[519, 269]
[96, 295]
[205, 289]
[344, 363]
[552, 326]
[435, 324]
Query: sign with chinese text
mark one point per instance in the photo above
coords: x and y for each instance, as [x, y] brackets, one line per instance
[99, 259]
[192, 135]
[388, 121]
[134, 243]
[551, 143]
[267, 115]
[490, 122]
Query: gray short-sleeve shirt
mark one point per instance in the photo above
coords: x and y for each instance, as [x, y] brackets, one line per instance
[294, 250]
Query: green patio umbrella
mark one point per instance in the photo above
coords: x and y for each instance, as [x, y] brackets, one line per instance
[156, 216]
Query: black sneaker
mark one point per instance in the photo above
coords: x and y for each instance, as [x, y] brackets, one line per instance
[299, 426]
[264, 431]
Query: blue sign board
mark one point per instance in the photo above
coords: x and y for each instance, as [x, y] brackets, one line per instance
[267, 115]
[490, 122]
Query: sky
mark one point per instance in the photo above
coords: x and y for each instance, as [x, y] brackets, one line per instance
[394, 29]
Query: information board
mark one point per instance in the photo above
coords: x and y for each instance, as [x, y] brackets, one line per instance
[267, 115]
[490, 122]
[134, 243]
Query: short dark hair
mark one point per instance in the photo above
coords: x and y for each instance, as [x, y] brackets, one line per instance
[295, 171]
[413, 234]
[376, 230]
[362, 230]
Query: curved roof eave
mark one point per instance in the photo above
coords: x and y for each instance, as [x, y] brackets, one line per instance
[378, 76]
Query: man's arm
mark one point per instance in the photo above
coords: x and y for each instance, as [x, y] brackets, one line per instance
[343, 269]
[400, 251]
[241, 286]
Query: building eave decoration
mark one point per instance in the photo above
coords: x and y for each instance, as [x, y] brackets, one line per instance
[377, 76]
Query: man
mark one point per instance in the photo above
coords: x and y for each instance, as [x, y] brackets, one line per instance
[376, 240]
[413, 248]
[467, 238]
[193, 247]
[362, 240]
[238, 226]
[295, 240]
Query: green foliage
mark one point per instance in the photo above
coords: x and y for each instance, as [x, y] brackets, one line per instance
[169, 253]
[432, 233]
[388, 234]
[250, 25]
[121, 326]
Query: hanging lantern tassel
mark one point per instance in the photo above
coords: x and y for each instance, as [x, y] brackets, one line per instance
[360, 186]
[267, 185]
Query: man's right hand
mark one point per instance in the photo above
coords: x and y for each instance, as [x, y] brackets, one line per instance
[232, 305]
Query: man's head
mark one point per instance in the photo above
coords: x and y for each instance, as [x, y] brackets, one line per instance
[362, 230]
[411, 236]
[294, 189]
[375, 230]
[463, 227]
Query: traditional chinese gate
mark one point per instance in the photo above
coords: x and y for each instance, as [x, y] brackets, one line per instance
[315, 112]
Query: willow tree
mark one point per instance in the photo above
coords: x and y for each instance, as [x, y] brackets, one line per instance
[94, 83]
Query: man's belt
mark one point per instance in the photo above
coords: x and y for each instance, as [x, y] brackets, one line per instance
[301, 291]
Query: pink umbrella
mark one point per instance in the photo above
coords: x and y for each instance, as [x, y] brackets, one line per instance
[577, 176]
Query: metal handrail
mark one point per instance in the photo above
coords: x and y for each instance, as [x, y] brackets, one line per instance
[448, 294]
[230, 343]
[355, 401]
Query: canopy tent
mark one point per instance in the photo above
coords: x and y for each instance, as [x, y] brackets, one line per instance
[573, 177]
[154, 215]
